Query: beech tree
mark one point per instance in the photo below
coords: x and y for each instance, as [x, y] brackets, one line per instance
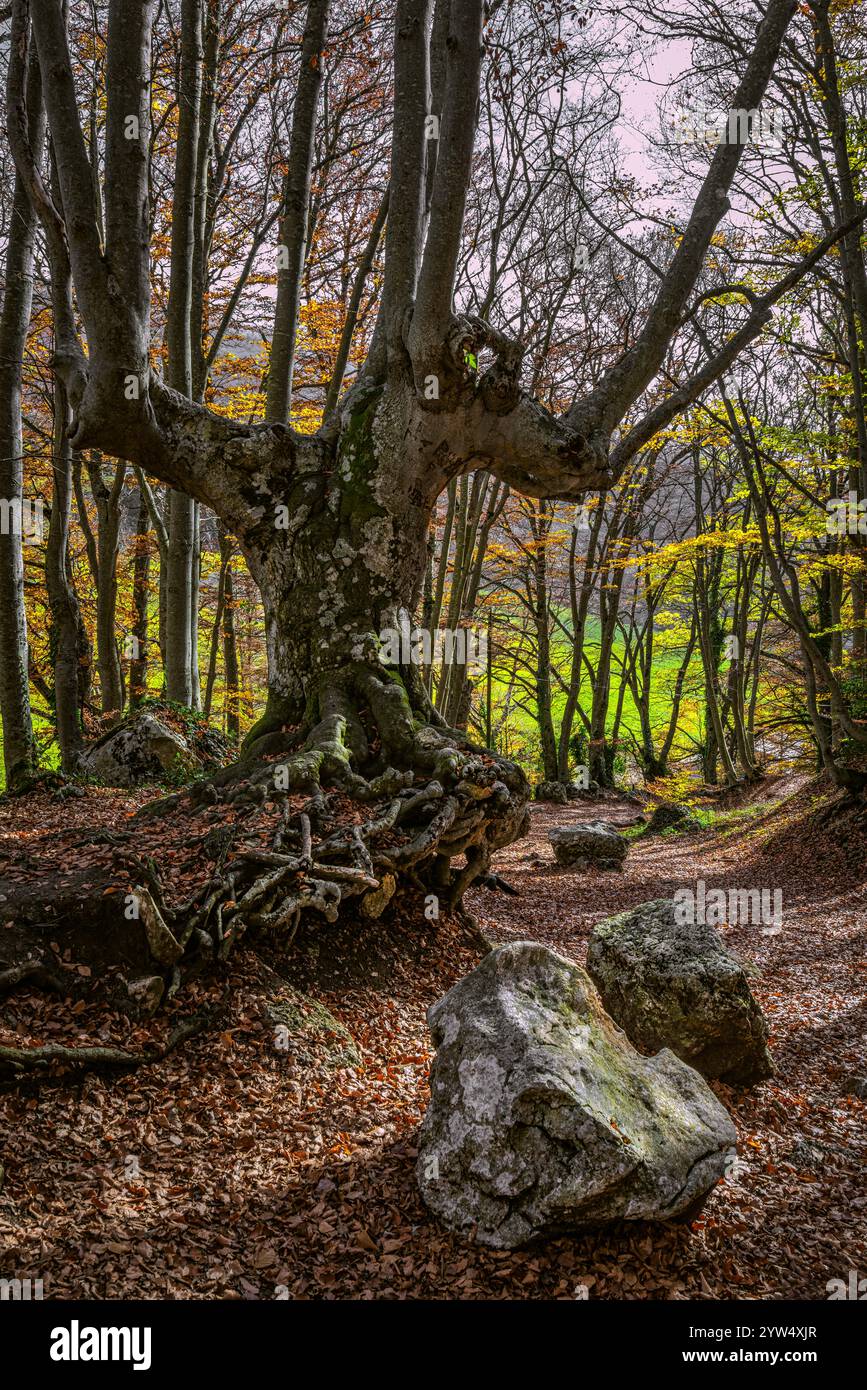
[18, 746]
[334, 525]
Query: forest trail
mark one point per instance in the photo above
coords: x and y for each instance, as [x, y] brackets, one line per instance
[238, 1169]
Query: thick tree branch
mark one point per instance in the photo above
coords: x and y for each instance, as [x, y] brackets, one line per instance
[179, 373]
[434, 294]
[127, 139]
[75, 175]
[23, 137]
[534, 452]
[408, 178]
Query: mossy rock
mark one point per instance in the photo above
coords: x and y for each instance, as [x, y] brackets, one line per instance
[670, 816]
[311, 1030]
[674, 984]
[140, 750]
[544, 1120]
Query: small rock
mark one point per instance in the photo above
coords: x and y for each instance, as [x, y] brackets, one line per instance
[309, 1022]
[374, 903]
[593, 844]
[552, 791]
[805, 1156]
[575, 791]
[669, 816]
[69, 791]
[145, 995]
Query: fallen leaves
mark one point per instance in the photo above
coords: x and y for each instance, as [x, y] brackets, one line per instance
[235, 1170]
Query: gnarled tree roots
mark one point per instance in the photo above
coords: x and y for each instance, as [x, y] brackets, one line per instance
[368, 797]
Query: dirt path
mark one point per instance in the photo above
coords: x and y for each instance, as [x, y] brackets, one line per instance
[236, 1169]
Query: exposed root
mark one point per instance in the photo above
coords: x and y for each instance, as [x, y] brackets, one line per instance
[29, 972]
[367, 794]
[16, 1062]
[495, 882]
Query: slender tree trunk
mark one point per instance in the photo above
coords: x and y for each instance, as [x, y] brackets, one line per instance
[677, 696]
[178, 599]
[195, 588]
[202, 225]
[19, 753]
[216, 631]
[442, 570]
[455, 700]
[709, 626]
[352, 311]
[181, 588]
[293, 221]
[158, 520]
[69, 644]
[162, 603]
[541, 616]
[447, 686]
[107, 541]
[579, 601]
[747, 569]
[230, 645]
[601, 752]
[138, 665]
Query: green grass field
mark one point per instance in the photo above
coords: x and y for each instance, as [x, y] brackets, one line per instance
[523, 731]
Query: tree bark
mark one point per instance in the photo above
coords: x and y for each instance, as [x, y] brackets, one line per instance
[19, 751]
[181, 586]
[107, 501]
[293, 220]
[230, 647]
[138, 663]
[69, 643]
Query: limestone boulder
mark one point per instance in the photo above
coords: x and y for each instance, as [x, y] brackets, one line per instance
[551, 791]
[545, 1120]
[140, 750]
[676, 985]
[670, 816]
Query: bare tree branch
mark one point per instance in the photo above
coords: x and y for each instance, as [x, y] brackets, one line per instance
[760, 314]
[622, 385]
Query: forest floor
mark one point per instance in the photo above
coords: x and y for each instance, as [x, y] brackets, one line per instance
[274, 1158]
